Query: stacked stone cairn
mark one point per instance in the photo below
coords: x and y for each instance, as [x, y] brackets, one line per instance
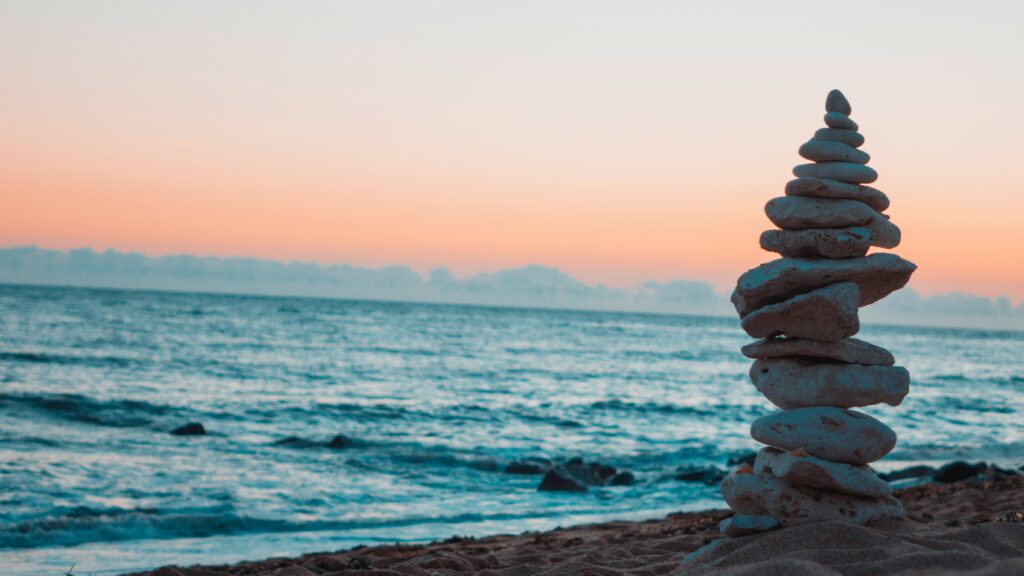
[803, 306]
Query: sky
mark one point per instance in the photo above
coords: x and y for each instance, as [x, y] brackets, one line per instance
[616, 141]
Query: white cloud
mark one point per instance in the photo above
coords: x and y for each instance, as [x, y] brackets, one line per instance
[536, 286]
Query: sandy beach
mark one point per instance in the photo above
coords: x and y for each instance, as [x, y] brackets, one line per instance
[972, 527]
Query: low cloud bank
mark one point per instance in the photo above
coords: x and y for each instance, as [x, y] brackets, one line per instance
[537, 286]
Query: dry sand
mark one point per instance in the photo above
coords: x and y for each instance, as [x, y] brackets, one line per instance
[970, 527]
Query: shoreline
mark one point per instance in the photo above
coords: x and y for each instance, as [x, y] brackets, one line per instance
[950, 523]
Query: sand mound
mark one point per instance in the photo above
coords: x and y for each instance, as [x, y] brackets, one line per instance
[891, 547]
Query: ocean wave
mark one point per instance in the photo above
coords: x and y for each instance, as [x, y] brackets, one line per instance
[114, 413]
[68, 359]
[651, 408]
[83, 525]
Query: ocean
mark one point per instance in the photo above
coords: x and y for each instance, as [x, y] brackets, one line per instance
[431, 402]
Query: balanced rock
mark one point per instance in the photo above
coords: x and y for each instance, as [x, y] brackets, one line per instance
[827, 432]
[877, 275]
[842, 171]
[837, 102]
[744, 525]
[799, 468]
[828, 314]
[839, 120]
[796, 383]
[830, 151]
[762, 494]
[823, 188]
[850, 350]
[818, 242]
[849, 137]
[801, 213]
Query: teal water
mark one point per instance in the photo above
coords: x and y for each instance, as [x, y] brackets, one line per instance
[435, 399]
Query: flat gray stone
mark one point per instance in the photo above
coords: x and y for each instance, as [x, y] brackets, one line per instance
[850, 350]
[837, 102]
[744, 525]
[818, 242]
[795, 505]
[849, 137]
[839, 120]
[828, 314]
[801, 469]
[834, 434]
[877, 275]
[842, 171]
[828, 151]
[797, 383]
[823, 188]
[803, 212]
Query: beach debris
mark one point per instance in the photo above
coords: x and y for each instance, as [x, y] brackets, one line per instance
[190, 429]
[804, 307]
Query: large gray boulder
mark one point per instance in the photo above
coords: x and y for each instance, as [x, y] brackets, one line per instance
[830, 151]
[827, 432]
[801, 469]
[825, 188]
[850, 350]
[877, 275]
[842, 171]
[762, 494]
[801, 213]
[818, 242]
[795, 383]
[828, 314]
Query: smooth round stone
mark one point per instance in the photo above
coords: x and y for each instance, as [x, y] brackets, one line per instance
[795, 383]
[824, 188]
[837, 102]
[745, 525]
[850, 350]
[818, 242]
[794, 505]
[877, 275]
[801, 469]
[828, 314]
[826, 151]
[831, 433]
[842, 171]
[848, 137]
[840, 120]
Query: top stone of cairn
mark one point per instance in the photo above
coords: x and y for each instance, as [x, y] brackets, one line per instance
[836, 102]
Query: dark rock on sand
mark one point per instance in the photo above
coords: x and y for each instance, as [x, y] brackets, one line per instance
[558, 479]
[905, 473]
[190, 429]
[957, 471]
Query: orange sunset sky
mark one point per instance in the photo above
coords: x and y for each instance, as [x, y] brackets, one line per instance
[617, 141]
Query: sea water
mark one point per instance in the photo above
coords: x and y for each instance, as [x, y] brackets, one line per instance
[434, 401]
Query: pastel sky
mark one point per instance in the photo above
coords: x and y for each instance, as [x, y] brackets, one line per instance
[618, 141]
